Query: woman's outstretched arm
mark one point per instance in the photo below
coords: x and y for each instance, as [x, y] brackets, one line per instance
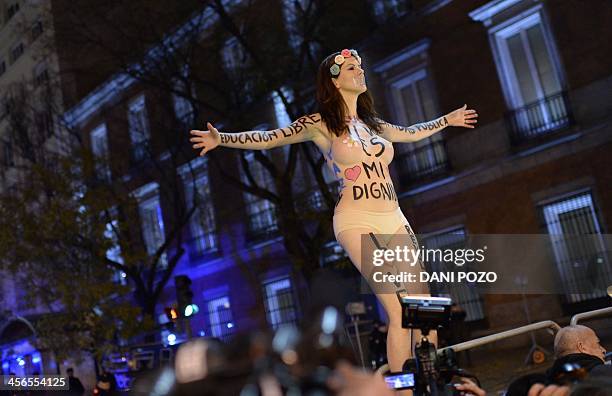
[462, 117]
[300, 130]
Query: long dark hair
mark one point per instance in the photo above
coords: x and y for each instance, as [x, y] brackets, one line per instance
[332, 107]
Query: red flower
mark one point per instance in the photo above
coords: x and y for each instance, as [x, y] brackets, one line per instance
[346, 53]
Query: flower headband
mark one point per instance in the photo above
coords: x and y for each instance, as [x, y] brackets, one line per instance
[339, 60]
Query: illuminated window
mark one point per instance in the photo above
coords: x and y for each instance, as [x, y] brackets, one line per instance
[279, 302]
[234, 56]
[220, 317]
[139, 128]
[196, 185]
[99, 148]
[152, 222]
[261, 212]
[183, 107]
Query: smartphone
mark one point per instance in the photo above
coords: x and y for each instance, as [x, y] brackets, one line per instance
[400, 380]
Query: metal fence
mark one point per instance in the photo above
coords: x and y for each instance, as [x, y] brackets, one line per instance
[539, 118]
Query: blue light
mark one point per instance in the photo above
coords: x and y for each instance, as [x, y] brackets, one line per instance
[171, 339]
[202, 333]
[230, 325]
[36, 359]
[21, 362]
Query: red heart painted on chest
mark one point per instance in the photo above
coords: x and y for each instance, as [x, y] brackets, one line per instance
[352, 173]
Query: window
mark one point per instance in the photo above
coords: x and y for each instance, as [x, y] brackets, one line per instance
[280, 111]
[12, 10]
[44, 123]
[99, 148]
[152, 222]
[197, 192]
[294, 12]
[7, 151]
[528, 67]
[139, 128]
[182, 105]
[384, 9]
[313, 199]
[234, 56]
[37, 29]
[464, 294]
[220, 317]
[16, 52]
[413, 99]
[261, 212]
[331, 253]
[582, 261]
[41, 74]
[114, 252]
[236, 62]
[279, 302]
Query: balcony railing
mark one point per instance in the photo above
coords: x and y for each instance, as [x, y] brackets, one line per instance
[423, 162]
[203, 244]
[539, 118]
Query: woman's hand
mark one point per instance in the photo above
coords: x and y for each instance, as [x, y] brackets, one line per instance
[206, 140]
[462, 117]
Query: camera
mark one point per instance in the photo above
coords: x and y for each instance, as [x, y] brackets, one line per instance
[427, 373]
[400, 380]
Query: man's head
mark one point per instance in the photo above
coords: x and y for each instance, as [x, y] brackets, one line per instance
[70, 371]
[578, 339]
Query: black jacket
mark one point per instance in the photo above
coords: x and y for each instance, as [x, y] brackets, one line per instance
[588, 362]
[592, 364]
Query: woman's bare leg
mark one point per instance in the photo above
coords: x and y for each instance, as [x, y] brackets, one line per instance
[398, 339]
[402, 238]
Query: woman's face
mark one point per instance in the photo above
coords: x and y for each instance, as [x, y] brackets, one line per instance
[351, 77]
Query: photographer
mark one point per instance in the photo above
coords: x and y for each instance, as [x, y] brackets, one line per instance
[575, 345]
[580, 345]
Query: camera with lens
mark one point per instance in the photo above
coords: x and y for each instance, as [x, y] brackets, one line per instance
[427, 372]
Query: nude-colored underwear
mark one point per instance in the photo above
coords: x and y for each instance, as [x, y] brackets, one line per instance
[380, 222]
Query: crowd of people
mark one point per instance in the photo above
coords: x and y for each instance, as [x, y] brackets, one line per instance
[308, 363]
[579, 369]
